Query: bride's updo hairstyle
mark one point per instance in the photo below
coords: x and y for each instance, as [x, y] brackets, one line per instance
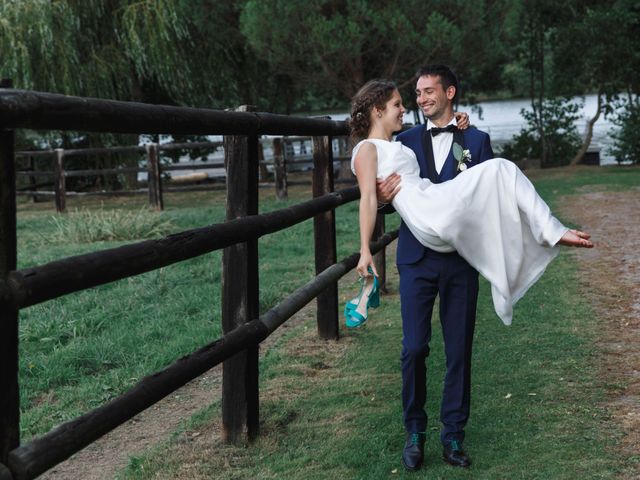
[374, 93]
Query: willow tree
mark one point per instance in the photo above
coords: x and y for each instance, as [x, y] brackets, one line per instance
[123, 49]
[185, 52]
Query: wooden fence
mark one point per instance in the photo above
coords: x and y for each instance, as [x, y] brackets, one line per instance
[283, 157]
[243, 327]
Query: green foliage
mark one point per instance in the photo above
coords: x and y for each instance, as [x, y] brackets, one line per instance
[560, 133]
[63, 47]
[332, 48]
[163, 51]
[87, 226]
[626, 145]
[586, 48]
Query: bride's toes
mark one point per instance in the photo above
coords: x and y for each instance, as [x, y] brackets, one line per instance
[580, 234]
[576, 238]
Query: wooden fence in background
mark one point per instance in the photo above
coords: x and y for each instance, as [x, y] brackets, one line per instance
[283, 158]
[243, 327]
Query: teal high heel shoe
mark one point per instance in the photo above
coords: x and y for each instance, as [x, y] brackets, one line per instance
[353, 317]
[374, 299]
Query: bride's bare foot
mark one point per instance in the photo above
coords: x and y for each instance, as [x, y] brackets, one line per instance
[576, 238]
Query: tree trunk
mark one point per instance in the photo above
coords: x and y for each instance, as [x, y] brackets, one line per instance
[589, 134]
[544, 161]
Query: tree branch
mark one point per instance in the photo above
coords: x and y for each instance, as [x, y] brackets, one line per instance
[589, 131]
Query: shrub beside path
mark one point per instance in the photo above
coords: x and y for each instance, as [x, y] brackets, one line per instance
[611, 277]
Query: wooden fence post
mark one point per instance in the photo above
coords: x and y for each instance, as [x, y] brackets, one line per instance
[9, 392]
[345, 166]
[240, 292]
[279, 170]
[32, 180]
[60, 182]
[154, 181]
[380, 258]
[264, 173]
[324, 231]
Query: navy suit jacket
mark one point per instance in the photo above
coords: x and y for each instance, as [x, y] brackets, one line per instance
[409, 249]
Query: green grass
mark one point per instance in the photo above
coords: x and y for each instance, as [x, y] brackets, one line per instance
[82, 349]
[78, 351]
[536, 410]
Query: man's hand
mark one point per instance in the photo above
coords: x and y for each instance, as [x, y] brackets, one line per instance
[462, 118]
[388, 188]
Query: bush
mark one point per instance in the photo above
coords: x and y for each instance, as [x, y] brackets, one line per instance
[86, 226]
[626, 144]
[558, 122]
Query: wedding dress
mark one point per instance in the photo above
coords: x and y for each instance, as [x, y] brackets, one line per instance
[490, 214]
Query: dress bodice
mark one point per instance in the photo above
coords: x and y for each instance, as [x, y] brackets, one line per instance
[392, 157]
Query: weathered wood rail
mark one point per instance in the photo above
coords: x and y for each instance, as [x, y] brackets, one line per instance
[283, 157]
[243, 327]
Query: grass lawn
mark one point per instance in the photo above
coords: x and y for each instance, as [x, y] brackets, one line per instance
[80, 350]
[328, 409]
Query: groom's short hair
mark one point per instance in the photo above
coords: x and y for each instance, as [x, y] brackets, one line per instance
[447, 77]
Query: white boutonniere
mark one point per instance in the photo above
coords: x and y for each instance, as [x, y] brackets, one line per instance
[462, 156]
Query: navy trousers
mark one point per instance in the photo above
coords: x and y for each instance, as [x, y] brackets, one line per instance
[456, 282]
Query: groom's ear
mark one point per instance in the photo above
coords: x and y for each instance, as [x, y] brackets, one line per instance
[451, 92]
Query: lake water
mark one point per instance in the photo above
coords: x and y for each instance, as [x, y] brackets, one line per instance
[502, 120]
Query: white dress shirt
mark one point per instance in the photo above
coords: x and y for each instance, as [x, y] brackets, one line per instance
[441, 144]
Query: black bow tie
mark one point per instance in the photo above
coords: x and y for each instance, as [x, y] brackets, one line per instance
[436, 131]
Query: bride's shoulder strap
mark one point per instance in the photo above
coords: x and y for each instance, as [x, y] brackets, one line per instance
[354, 152]
[356, 149]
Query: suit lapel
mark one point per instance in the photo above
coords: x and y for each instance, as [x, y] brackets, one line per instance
[427, 147]
[450, 167]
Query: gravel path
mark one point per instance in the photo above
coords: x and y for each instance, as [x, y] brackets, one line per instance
[611, 279]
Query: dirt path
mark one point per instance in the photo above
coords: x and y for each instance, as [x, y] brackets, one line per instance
[611, 279]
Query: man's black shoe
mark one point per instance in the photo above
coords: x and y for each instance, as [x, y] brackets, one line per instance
[454, 455]
[413, 453]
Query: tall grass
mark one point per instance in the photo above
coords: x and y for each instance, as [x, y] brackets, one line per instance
[86, 226]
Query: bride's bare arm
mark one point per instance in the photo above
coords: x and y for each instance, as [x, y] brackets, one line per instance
[366, 166]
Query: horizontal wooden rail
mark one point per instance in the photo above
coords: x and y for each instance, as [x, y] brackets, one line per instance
[117, 171]
[78, 152]
[38, 284]
[189, 145]
[71, 152]
[35, 185]
[106, 171]
[97, 193]
[197, 166]
[165, 168]
[212, 184]
[49, 111]
[31, 459]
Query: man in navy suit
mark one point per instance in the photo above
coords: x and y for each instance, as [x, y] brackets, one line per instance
[424, 274]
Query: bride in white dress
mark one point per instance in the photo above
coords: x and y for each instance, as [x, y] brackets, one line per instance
[490, 214]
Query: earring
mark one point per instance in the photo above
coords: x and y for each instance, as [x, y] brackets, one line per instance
[379, 115]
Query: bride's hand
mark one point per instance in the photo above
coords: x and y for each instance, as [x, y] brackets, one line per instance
[462, 119]
[366, 261]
